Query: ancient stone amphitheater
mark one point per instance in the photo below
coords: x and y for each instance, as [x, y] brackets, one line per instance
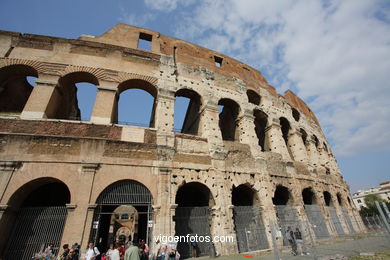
[247, 162]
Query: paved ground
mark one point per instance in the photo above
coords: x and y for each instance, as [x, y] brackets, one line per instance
[327, 250]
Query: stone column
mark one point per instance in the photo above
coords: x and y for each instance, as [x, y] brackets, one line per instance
[164, 207]
[209, 125]
[247, 133]
[88, 225]
[164, 110]
[6, 171]
[313, 153]
[82, 215]
[44, 99]
[297, 147]
[323, 155]
[275, 139]
[105, 107]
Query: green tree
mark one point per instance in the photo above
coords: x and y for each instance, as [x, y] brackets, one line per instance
[371, 208]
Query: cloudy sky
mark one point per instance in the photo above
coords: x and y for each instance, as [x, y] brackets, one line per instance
[333, 54]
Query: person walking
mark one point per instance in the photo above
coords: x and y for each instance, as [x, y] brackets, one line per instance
[92, 252]
[291, 240]
[132, 253]
[299, 240]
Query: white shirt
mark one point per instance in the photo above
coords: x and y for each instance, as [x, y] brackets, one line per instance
[113, 254]
[91, 253]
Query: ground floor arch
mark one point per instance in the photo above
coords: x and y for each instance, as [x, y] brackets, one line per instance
[248, 219]
[192, 217]
[35, 218]
[122, 214]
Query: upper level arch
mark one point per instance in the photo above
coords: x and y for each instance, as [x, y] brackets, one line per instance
[282, 196]
[194, 194]
[69, 99]
[190, 104]
[253, 97]
[308, 196]
[15, 88]
[229, 111]
[127, 103]
[261, 123]
[244, 195]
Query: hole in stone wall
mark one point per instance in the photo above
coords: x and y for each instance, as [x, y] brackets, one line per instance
[295, 114]
[253, 97]
[218, 61]
[145, 41]
[339, 199]
[304, 136]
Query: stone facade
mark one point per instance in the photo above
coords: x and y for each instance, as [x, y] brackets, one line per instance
[41, 140]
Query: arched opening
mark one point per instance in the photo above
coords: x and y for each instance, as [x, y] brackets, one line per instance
[253, 97]
[192, 216]
[308, 196]
[15, 88]
[285, 212]
[316, 142]
[228, 113]
[332, 213]
[339, 199]
[281, 195]
[187, 111]
[261, 122]
[243, 195]
[248, 220]
[304, 136]
[325, 147]
[296, 115]
[314, 213]
[136, 103]
[285, 127]
[37, 218]
[75, 96]
[327, 198]
[122, 214]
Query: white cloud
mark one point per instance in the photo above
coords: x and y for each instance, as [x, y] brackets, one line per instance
[338, 52]
[136, 19]
[167, 5]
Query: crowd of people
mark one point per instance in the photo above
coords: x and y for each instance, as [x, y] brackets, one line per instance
[129, 251]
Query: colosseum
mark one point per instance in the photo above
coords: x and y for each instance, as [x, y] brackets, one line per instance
[247, 162]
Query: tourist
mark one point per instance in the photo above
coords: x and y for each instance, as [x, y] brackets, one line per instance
[76, 248]
[194, 249]
[300, 246]
[142, 254]
[72, 255]
[291, 240]
[113, 253]
[92, 252]
[132, 253]
[66, 251]
[146, 246]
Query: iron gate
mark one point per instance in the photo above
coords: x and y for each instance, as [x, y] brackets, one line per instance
[34, 229]
[335, 220]
[193, 221]
[348, 220]
[126, 192]
[288, 218]
[250, 230]
[317, 221]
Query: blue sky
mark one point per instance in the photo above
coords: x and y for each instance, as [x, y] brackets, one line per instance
[334, 54]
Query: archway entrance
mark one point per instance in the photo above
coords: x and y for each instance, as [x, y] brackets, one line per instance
[314, 214]
[248, 220]
[286, 213]
[332, 213]
[39, 219]
[193, 217]
[123, 212]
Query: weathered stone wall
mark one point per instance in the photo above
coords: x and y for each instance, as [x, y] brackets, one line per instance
[89, 156]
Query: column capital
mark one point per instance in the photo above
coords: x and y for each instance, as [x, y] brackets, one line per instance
[43, 82]
[3, 207]
[71, 207]
[92, 206]
[10, 165]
